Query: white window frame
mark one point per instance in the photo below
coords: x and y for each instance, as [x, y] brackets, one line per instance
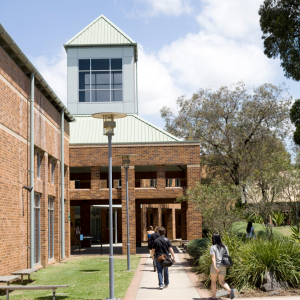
[52, 171]
[37, 228]
[110, 89]
[38, 156]
[50, 228]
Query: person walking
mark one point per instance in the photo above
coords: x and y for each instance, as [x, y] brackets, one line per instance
[162, 245]
[149, 233]
[217, 269]
[154, 236]
[250, 231]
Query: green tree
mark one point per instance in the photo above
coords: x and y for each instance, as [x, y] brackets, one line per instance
[295, 119]
[280, 24]
[264, 188]
[238, 128]
[216, 202]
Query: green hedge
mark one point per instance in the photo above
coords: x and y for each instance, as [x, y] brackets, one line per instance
[196, 247]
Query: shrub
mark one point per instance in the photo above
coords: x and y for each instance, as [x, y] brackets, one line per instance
[295, 234]
[278, 217]
[196, 247]
[253, 258]
[256, 257]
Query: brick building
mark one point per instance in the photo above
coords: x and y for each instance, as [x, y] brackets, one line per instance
[102, 77]
[16, 91]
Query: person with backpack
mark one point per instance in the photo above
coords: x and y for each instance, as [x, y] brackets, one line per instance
[217, 268]
[162, 247]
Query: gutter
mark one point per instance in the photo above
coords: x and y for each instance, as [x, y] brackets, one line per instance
[16, 54]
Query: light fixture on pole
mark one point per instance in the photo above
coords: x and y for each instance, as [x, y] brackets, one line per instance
[108, 126]
[126, 162]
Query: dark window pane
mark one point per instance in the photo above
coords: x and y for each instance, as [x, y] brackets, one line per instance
[84, 96]
[84, 80]
[100, 96]
[116, 64]
[116, 96]
[116, 80]
[84, 64]
[100, 64]
[100, 80]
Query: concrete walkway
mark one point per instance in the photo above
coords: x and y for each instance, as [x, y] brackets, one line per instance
[180, 286]
[183, 283]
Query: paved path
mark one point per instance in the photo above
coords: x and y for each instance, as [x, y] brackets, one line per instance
[180, 286]
[183, 283]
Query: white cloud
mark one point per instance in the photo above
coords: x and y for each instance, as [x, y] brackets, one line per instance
[227, 49]
[156, 86]
[54, 71]
[168, 7]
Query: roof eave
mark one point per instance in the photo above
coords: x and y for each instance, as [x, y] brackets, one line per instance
[27, 67]
[105, 45]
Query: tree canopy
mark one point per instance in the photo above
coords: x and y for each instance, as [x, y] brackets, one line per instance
[233, 125]
[280, 24]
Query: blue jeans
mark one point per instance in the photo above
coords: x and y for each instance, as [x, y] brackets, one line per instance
[160, 269]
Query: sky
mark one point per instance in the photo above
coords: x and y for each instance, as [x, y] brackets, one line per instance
[184, 45]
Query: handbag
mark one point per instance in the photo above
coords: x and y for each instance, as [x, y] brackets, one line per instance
[226, 260]
[162, 257]
[168, 262]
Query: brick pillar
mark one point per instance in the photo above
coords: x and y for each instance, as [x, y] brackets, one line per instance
[193, 216]
[57, 214]
[85, 222]
[132, 210]
[95, 180]
[144, 223]
[67, 213]
[44, 211]
[161, 177]
[170, 221]
[159, 216]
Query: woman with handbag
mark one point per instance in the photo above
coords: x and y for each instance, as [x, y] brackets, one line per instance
[217, 269]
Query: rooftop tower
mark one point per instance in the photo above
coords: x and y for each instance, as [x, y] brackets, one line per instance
[102, 70]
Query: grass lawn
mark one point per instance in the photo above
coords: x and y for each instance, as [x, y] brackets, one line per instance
[87, 277]
[285, 230]
[259, 229]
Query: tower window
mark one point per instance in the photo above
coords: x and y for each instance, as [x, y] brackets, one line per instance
[100, 80]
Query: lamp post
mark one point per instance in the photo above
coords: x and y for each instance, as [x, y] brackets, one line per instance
[108, 129]
[126, 161]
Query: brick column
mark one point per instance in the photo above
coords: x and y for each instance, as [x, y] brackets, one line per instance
[193, 216]
[44, 211]
[170, 221]
[67, 213]
[161, 177]
[57, 214]
[132, 216]
[95, 180]
[144, 223]
[159, 216]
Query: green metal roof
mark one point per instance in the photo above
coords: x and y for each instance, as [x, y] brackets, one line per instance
[131, 129]
[101, 32]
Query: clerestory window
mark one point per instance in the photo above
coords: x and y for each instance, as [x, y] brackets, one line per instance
[100, 80]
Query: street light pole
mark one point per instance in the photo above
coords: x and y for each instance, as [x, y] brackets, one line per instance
[111, 253]
[108, 125]
[125, 162]
[127, 210]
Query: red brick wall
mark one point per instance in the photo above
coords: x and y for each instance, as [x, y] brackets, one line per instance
[14, 163]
